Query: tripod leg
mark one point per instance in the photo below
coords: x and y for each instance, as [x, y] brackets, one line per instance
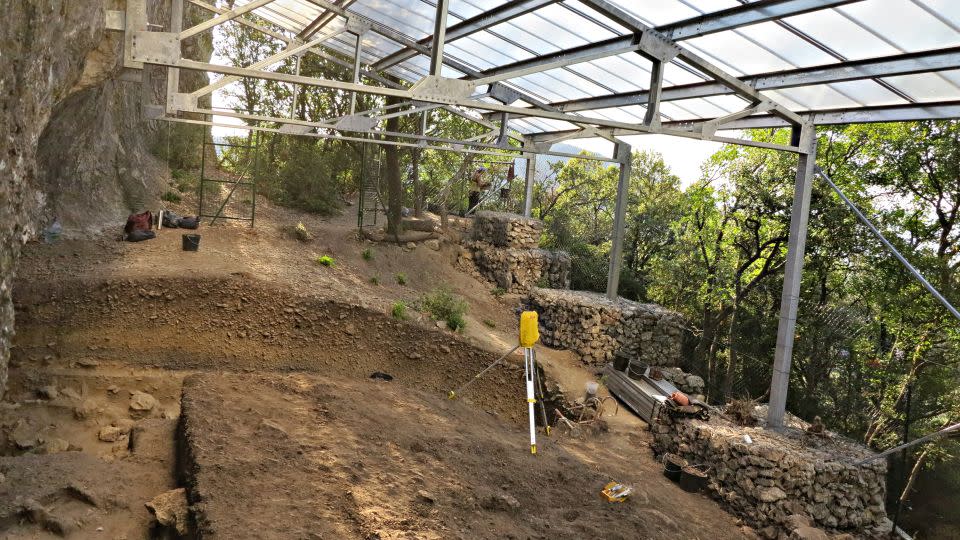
[543, 403]
[531, 400]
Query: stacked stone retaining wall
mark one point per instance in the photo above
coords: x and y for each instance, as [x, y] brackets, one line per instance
[772, 476]
[598, 328]
[516, 270]
[502, 229]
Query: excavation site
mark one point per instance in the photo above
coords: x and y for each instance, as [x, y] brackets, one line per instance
[480, 269]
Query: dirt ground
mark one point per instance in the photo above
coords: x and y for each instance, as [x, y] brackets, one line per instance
[345, 458]
[102, 322]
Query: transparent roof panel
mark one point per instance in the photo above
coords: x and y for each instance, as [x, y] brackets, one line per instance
[928, 86]
[855, 31]
[886, 19]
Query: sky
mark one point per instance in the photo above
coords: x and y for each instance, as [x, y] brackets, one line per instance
[683, 156]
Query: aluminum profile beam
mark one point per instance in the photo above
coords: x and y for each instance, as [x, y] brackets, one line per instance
[793, 274]
[324, 19]
[439, 37]
[466, 27]
[728, 19]
[631, 22]
[901, 64]
[626, 127]
[745, 15]
[860, 115]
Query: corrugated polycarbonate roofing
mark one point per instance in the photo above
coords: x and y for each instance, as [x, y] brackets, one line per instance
[853, 31]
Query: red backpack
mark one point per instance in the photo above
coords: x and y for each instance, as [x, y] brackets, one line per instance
[139, 222]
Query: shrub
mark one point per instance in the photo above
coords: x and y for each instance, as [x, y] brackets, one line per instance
[443, 305]
[401, 278]
[367, 254]
[498, 292]
[489, 323]
[326, 260]
[399, 310]
[374, 280]
[171, 196]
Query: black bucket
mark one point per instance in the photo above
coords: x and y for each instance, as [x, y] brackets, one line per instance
[191, 242]
[692, 479]
[637, 370]
[672, 466]
[621, 362]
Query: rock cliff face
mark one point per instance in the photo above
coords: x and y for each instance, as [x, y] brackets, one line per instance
[73, 142]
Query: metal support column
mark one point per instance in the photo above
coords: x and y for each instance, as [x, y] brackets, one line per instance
[173, 74]
[622, 152]
[790, 298]
[356, 71]
[530, 176]
[439, 35]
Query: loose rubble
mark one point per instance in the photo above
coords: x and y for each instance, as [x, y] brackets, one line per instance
[598, 328]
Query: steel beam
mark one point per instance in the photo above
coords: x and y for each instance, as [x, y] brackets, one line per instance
[439, 36]
[222, 18]
[622, 152]
[585, 53]
[323, 20]
[901, 64]
[291, 50]
[173, 74]
[327, 56]
[790, 297]
[466, 27]
[745, 15]
[724, 20]
[632, 23]
[652, 115]
[625, 127]
[529, 177]
[457, 147]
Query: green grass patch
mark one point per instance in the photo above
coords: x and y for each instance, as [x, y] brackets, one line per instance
[489, 323]
[498, 292]
[326, 260]
[367, 254]
[443, 305]
[374, 280]
[401, 278]
[399, 310]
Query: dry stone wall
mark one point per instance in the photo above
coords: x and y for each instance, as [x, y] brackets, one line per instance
[516, 270]
[773, 476]
[598, 328]
[504, 251]
[502, 229]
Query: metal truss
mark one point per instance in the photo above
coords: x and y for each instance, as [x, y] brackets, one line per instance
[162, 48]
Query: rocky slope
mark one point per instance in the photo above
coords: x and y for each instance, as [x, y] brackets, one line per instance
[74, 143]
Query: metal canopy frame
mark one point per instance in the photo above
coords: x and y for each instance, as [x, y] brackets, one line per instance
[498, 97]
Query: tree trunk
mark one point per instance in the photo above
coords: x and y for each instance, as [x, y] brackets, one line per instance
[392, 174]
[733, 360]
[417, 184]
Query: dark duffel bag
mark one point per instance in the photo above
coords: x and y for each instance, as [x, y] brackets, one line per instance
[139, 235]
[189, 222]
[170, 220]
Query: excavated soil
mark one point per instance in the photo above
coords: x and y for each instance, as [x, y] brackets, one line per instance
[301, 456]
[284, 434]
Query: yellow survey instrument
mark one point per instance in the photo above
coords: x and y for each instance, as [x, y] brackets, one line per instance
[529, 333]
